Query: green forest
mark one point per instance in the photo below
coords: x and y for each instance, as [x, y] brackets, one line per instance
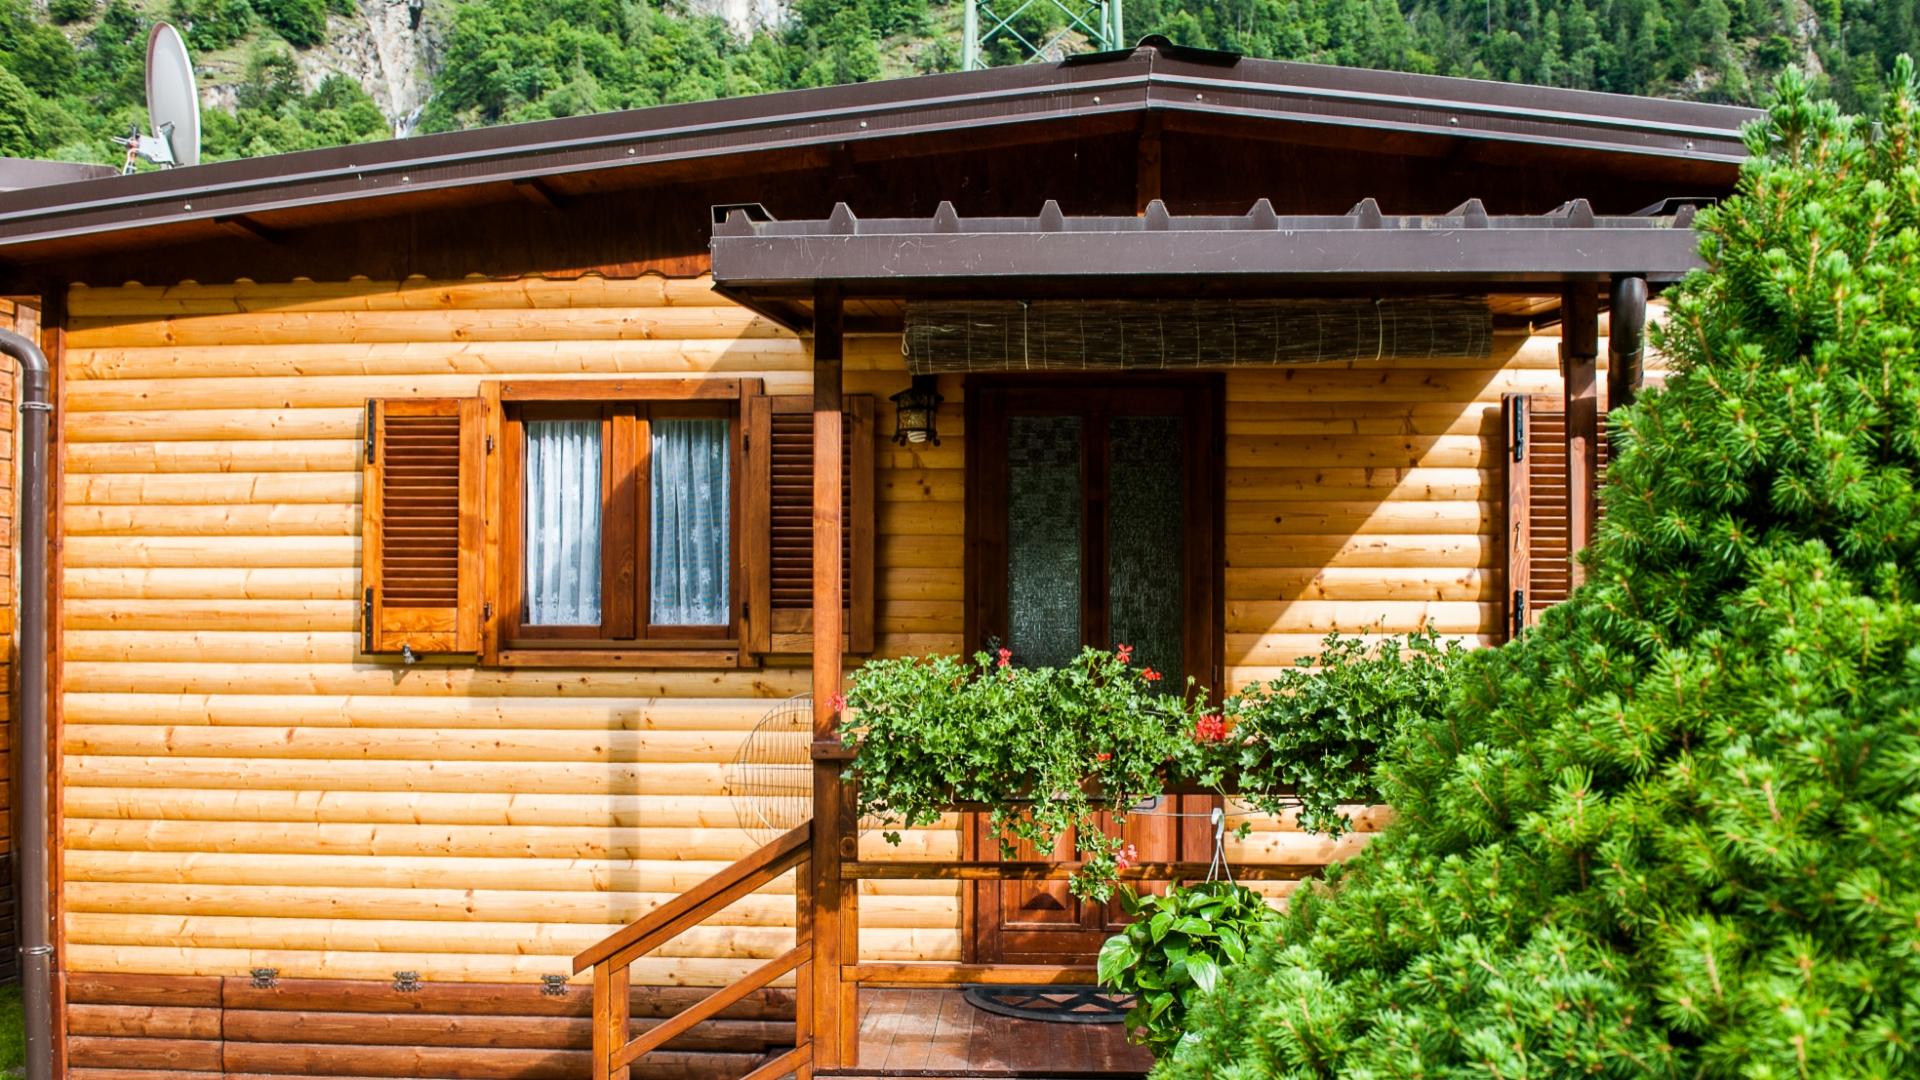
[70, 72]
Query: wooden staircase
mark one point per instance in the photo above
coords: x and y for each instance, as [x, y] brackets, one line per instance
[614, 1054]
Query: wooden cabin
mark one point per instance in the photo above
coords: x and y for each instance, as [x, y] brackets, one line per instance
[435, 521]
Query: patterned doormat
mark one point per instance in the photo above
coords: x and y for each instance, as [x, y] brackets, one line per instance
[1052, 1004]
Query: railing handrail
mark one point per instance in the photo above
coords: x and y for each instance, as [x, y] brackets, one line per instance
[773, 859]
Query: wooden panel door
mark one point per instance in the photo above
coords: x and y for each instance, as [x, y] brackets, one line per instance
[1093, 519]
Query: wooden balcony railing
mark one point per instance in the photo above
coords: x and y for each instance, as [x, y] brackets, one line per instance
[611, 959]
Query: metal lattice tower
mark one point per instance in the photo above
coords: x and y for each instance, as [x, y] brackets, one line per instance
[988, 21]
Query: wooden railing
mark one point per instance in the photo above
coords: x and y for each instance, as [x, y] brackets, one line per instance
[825, 1000]
[613, 1052]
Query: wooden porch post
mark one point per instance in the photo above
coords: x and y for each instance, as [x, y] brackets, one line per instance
[1579, 366]
[834, 1006]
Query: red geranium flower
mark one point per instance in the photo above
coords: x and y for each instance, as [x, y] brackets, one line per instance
[1103, 756]
[1006, 657]
[1124, 653]
[838, 703]
[1210, 729]
[1150, 675]
[1126, 857]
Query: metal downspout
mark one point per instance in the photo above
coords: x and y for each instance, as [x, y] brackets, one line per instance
[1626, 340]
[36, 948]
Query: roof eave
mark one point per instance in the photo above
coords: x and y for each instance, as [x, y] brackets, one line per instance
[1141, 81]
[776, 267]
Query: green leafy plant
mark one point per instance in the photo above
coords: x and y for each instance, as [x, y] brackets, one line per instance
[1045, 750]
[302, 22]
[212, 25]
[1176, 949]
[1307, 740]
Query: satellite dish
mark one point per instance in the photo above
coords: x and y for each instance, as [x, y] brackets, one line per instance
[173, 105]
[771, 778]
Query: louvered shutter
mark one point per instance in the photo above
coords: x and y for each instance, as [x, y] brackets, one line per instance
[1538, 533]
[423, 526]
[779, 522]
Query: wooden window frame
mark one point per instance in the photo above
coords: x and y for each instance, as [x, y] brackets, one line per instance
[625, 636]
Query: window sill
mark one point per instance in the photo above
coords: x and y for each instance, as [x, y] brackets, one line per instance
[716, 655]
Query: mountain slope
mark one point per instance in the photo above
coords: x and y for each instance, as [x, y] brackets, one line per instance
[291, 74]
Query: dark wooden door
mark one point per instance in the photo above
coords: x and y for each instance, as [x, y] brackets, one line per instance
[1093, 518]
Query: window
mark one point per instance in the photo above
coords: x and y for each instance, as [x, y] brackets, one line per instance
[688, 543]
[620, 516]
[575, 523]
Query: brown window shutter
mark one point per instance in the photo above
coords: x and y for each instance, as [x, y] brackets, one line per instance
[1538, 556]
[778, 542]
[423, 526]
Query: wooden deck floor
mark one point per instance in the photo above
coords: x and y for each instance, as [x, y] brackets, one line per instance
[937, 1033]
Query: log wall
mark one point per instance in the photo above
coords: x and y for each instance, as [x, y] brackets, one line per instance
[244, 789]
[24, 320]
[1368, 499]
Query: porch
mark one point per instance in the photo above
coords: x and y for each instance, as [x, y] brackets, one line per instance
[937, 1032]
[1389, 288]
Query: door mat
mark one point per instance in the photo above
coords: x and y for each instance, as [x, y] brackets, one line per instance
[1052, 1004]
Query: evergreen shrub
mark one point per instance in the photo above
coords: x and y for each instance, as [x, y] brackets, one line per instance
[1674, 831]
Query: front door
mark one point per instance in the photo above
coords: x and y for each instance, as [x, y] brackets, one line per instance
[1093, 519]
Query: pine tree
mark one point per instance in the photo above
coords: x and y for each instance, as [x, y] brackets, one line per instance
[1675, 830]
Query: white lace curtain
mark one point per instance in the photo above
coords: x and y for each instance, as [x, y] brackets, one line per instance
[563, 522]
[689, 523]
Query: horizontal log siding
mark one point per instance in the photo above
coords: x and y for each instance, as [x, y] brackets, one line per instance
[24, 320]
[144, 1027]
[1368, 499]
[246, 790]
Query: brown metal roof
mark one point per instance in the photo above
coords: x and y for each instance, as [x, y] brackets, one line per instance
[1155, 77]
[775, 267]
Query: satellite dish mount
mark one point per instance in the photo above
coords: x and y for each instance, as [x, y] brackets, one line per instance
[173, 106]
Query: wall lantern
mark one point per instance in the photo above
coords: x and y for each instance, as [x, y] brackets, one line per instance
[914, 410]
